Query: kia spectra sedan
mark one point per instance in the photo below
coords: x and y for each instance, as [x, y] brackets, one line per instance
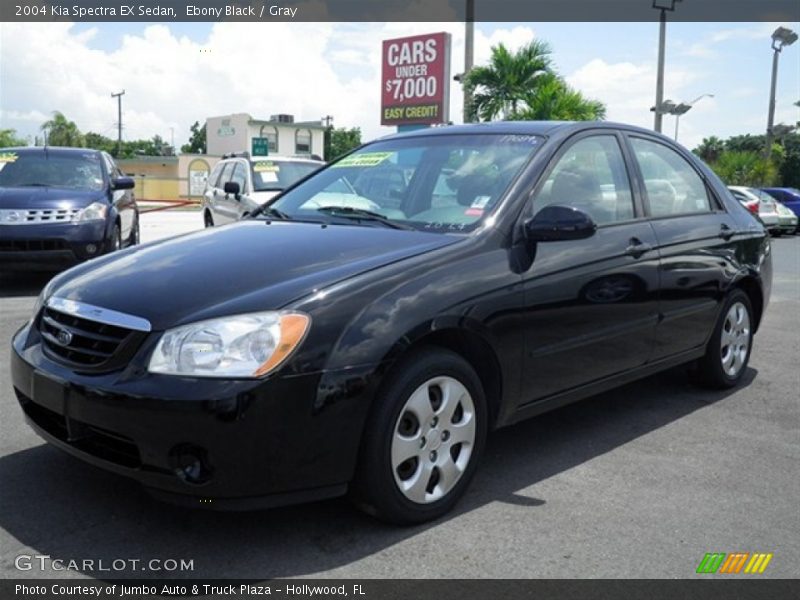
[365, 330]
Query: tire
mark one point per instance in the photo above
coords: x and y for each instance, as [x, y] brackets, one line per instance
[410, 417]
[726, 357]
[115, 242]
[208, 220]
[133, 240]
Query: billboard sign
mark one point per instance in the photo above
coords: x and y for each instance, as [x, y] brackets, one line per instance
[416, 80]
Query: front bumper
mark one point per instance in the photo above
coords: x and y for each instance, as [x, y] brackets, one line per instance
[251, 443]
[50, 244]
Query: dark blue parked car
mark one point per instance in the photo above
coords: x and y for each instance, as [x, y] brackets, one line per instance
[789, 197]
[60, 206]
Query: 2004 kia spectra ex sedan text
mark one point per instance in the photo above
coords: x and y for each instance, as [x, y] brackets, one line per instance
[366, 330]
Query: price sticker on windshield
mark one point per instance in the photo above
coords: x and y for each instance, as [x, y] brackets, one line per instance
[266, 167]
[367, 159]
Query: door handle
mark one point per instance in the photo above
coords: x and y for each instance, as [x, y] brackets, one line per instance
[726, 232]
[636, 248]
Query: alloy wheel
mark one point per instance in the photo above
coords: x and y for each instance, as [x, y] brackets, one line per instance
[433, 440]
[735, 342]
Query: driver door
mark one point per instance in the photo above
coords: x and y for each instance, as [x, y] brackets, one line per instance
[590, 305]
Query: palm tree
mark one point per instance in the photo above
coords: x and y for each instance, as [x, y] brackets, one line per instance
[62, 132]
[554, 100]
[710, 149]
[499, 87]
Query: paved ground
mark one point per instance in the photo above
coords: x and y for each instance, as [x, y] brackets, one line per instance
[638, 482]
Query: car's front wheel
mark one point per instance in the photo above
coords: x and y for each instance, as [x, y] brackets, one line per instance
[133, 239]
[728, 351]
[208, 220]
[423, 440]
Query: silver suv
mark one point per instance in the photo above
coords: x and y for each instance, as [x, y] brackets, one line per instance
[238, 184]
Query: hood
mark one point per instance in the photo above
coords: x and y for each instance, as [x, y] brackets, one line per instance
[46, 197]
[244, 267]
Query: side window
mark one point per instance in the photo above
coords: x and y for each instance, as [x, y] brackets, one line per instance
[227, 171]
[591, 176]
[673, 186]
[240, 176]
[213, 178]
[302, 141]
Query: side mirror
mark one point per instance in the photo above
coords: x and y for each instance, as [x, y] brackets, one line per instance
[232, 187]
[123, 183]
[556, 223]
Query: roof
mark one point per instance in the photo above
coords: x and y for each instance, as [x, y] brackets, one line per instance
[544, 128]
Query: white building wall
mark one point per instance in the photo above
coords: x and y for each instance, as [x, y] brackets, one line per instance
[234, 133]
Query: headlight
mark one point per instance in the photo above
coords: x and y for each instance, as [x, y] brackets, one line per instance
[96, 211]
[250, 345]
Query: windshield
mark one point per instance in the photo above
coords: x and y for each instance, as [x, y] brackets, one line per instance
[280, 174]
[80, 171]
[439, 183]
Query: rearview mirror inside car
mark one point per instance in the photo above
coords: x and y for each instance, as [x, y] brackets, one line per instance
[557, 223]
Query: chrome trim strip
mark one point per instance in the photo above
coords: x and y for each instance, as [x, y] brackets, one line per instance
[101, 315]
[36, 216]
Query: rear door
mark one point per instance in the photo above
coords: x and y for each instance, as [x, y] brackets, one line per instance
[591, 305]
[695, 237]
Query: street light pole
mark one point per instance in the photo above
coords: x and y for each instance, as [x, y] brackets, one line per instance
[780, 38]
[663, 6]
[469, 41]
[683, 108]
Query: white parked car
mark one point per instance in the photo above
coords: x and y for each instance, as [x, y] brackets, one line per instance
[239, 183]
[767, 209]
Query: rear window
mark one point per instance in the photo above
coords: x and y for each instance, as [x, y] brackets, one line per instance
[80, 171]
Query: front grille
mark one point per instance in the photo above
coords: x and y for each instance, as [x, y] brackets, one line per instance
[98, 442]
[24, 216]
[81, 341]
[32, 245]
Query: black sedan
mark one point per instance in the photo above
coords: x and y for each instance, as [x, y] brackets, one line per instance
[365, 331]
[61, 206]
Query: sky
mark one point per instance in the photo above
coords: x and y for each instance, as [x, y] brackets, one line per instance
[178, 73]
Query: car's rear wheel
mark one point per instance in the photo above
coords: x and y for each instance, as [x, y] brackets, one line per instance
[208, 220]
[729, 349]
[423, 440]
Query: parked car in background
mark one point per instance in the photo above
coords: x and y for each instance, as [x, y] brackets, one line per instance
[789, 197]
[475, 276]
[238, 184]
[60, 206]
[787, 220]
[767, 206]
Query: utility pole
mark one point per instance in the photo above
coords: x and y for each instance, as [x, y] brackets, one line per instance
[328, 119]
[118, 96]
[781, 38]
[469, 42]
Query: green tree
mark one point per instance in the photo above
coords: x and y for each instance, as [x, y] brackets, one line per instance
[554, 100]
[501, 86]
[100, 142]
[745, 168]
[197, 141]
[60, 131]
[9, 139]
[341, 141]
[710, 149]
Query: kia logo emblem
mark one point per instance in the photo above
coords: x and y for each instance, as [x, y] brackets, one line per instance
[64, 337]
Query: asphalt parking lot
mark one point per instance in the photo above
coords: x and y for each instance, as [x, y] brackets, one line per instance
[637, 482]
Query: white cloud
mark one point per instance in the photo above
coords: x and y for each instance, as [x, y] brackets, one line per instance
[306, 69]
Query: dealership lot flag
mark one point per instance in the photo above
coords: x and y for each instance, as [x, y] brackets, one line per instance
[416, 80]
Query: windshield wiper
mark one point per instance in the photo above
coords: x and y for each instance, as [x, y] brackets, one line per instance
[270, 212]
[359, 214]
